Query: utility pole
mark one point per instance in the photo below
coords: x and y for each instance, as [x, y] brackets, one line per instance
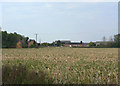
[36, 40]
[36, 36]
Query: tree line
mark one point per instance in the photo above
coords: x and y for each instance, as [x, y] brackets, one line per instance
[108, 44]
[9, 40]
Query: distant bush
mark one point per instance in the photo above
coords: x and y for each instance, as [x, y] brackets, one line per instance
[21, 75]
[33, 46]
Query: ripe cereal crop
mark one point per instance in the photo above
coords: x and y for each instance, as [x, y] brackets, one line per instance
[60, 65]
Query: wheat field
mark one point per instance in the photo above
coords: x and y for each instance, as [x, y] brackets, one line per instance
[60, 65]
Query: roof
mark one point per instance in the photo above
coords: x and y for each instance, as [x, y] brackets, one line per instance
[63, 40]
[79, 43]
[75, 43]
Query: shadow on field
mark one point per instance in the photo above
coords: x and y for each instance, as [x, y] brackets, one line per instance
[21, 75]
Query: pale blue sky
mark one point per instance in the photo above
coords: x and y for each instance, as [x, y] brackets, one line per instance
[75, 21]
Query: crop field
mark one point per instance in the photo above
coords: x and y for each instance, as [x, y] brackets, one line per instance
[60, 65]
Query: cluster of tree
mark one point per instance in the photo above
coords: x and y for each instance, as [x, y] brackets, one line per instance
[116, 41]
[59, 43]
[110, 44]
[9, 40]
[91, 44]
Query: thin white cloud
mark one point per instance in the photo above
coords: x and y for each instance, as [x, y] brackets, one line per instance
[59, 0]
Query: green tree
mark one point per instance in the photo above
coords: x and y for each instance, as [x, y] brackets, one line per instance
[59, 43]
[9, 40]
[45, 44]
[4, 39]
[33, 46]
[81, 42]
[117, 40]
[91, 44]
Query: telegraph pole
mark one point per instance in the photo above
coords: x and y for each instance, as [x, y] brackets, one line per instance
[36, 40]
[36, 36]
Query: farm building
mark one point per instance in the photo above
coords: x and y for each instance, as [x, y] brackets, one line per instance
[76, 44]
[67, 43]
[62, 42]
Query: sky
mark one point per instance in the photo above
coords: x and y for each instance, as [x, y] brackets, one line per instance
[59, 0]
[75, 21]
